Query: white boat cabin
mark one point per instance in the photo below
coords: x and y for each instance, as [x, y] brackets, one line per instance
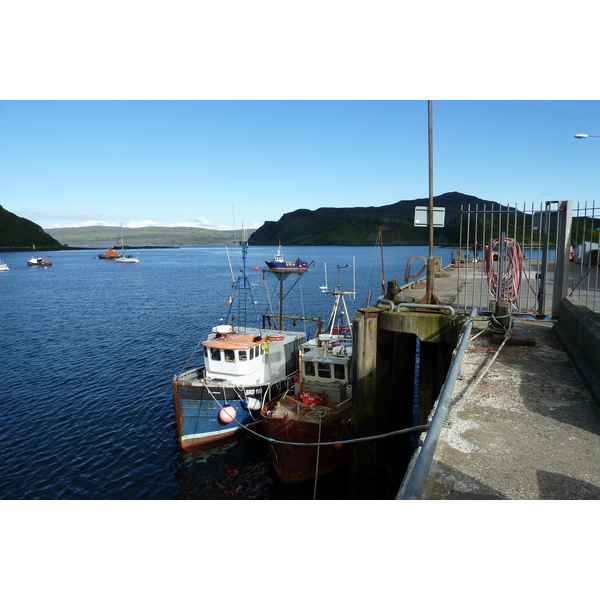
[326, 368]
[252, 356]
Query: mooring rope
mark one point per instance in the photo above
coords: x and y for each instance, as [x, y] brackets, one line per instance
[317, 465]
[369, 438]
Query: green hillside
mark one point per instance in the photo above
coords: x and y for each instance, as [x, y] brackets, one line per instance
[18, 233]
[144, 236]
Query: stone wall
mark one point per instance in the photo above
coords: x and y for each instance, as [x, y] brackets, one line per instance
[578, 328]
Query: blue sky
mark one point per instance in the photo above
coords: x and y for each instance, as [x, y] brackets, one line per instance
[222, 114]
[218, 164]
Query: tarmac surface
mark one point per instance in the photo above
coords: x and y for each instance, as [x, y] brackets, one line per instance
[522, 423]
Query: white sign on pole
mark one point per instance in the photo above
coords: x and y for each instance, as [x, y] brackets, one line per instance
[422, 216]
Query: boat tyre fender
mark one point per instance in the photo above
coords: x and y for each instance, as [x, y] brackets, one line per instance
[275, 338]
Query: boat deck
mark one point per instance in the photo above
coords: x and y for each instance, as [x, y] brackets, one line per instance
[290, 406]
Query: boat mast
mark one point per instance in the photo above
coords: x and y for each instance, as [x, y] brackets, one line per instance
[242, 284]
[339, 296]
[383, 285]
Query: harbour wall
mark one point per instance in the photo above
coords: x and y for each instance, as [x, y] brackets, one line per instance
[578, 328]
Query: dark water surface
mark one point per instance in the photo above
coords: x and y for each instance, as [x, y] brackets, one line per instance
[89, 349]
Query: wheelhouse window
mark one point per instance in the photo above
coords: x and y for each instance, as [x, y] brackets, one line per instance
[324, 371]
[251, 353]
[243, 355]
[229, 356]
[215, 354]
[309, 369]
[339, 372]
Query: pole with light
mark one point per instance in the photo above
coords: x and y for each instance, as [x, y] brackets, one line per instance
[582, 136]
[429, 297]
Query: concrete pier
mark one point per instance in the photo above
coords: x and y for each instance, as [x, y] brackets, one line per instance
[522, 424]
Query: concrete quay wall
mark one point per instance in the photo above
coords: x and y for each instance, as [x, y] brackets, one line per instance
[578, 328]
[524, 420]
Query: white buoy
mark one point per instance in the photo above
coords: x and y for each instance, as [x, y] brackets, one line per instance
[253, 403]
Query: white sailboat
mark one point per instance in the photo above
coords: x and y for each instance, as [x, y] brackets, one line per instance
[125, 258]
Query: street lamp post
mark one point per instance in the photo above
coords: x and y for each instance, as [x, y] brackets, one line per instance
[582, 136]
[430, 297]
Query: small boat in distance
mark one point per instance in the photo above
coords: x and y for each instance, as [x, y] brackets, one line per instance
[279, 264]
[319, 408]
[3, 265]
[125, 258]
[38, 261]
[111, 253]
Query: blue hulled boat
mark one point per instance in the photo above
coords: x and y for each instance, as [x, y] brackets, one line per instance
[279, 264]
[244, 367]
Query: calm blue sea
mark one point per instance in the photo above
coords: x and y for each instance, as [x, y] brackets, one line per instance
[89, 349]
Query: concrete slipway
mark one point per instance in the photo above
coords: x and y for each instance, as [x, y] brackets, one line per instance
[529, 429]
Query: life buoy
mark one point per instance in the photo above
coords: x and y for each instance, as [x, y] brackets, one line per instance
[275, 338]
[313, 398]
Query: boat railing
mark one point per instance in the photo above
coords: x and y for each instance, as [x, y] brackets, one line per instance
[415, 479]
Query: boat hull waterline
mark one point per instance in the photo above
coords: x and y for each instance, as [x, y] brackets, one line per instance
[299, 463]
[198, 406]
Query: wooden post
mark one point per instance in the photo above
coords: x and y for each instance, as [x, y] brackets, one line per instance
[383, 392]
[363, 458]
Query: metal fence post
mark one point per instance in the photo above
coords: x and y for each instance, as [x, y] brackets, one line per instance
[563, 247]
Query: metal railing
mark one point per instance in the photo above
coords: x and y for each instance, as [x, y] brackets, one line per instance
[531, 257]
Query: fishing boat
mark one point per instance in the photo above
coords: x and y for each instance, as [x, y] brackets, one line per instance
[318, 410]
[244, 367]
[39, 261]
[278, 263]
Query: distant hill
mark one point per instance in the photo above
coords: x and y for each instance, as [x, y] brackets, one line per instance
[18, 233]
[360, 226]
[144, 236]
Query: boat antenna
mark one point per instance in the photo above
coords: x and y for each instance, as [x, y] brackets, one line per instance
[339, 306]
[354, 277]
[230, 267]
[242, 283]
[383, 285]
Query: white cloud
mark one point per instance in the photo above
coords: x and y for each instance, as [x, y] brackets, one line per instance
[144, 223]
[198, 223]
[83, 224]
